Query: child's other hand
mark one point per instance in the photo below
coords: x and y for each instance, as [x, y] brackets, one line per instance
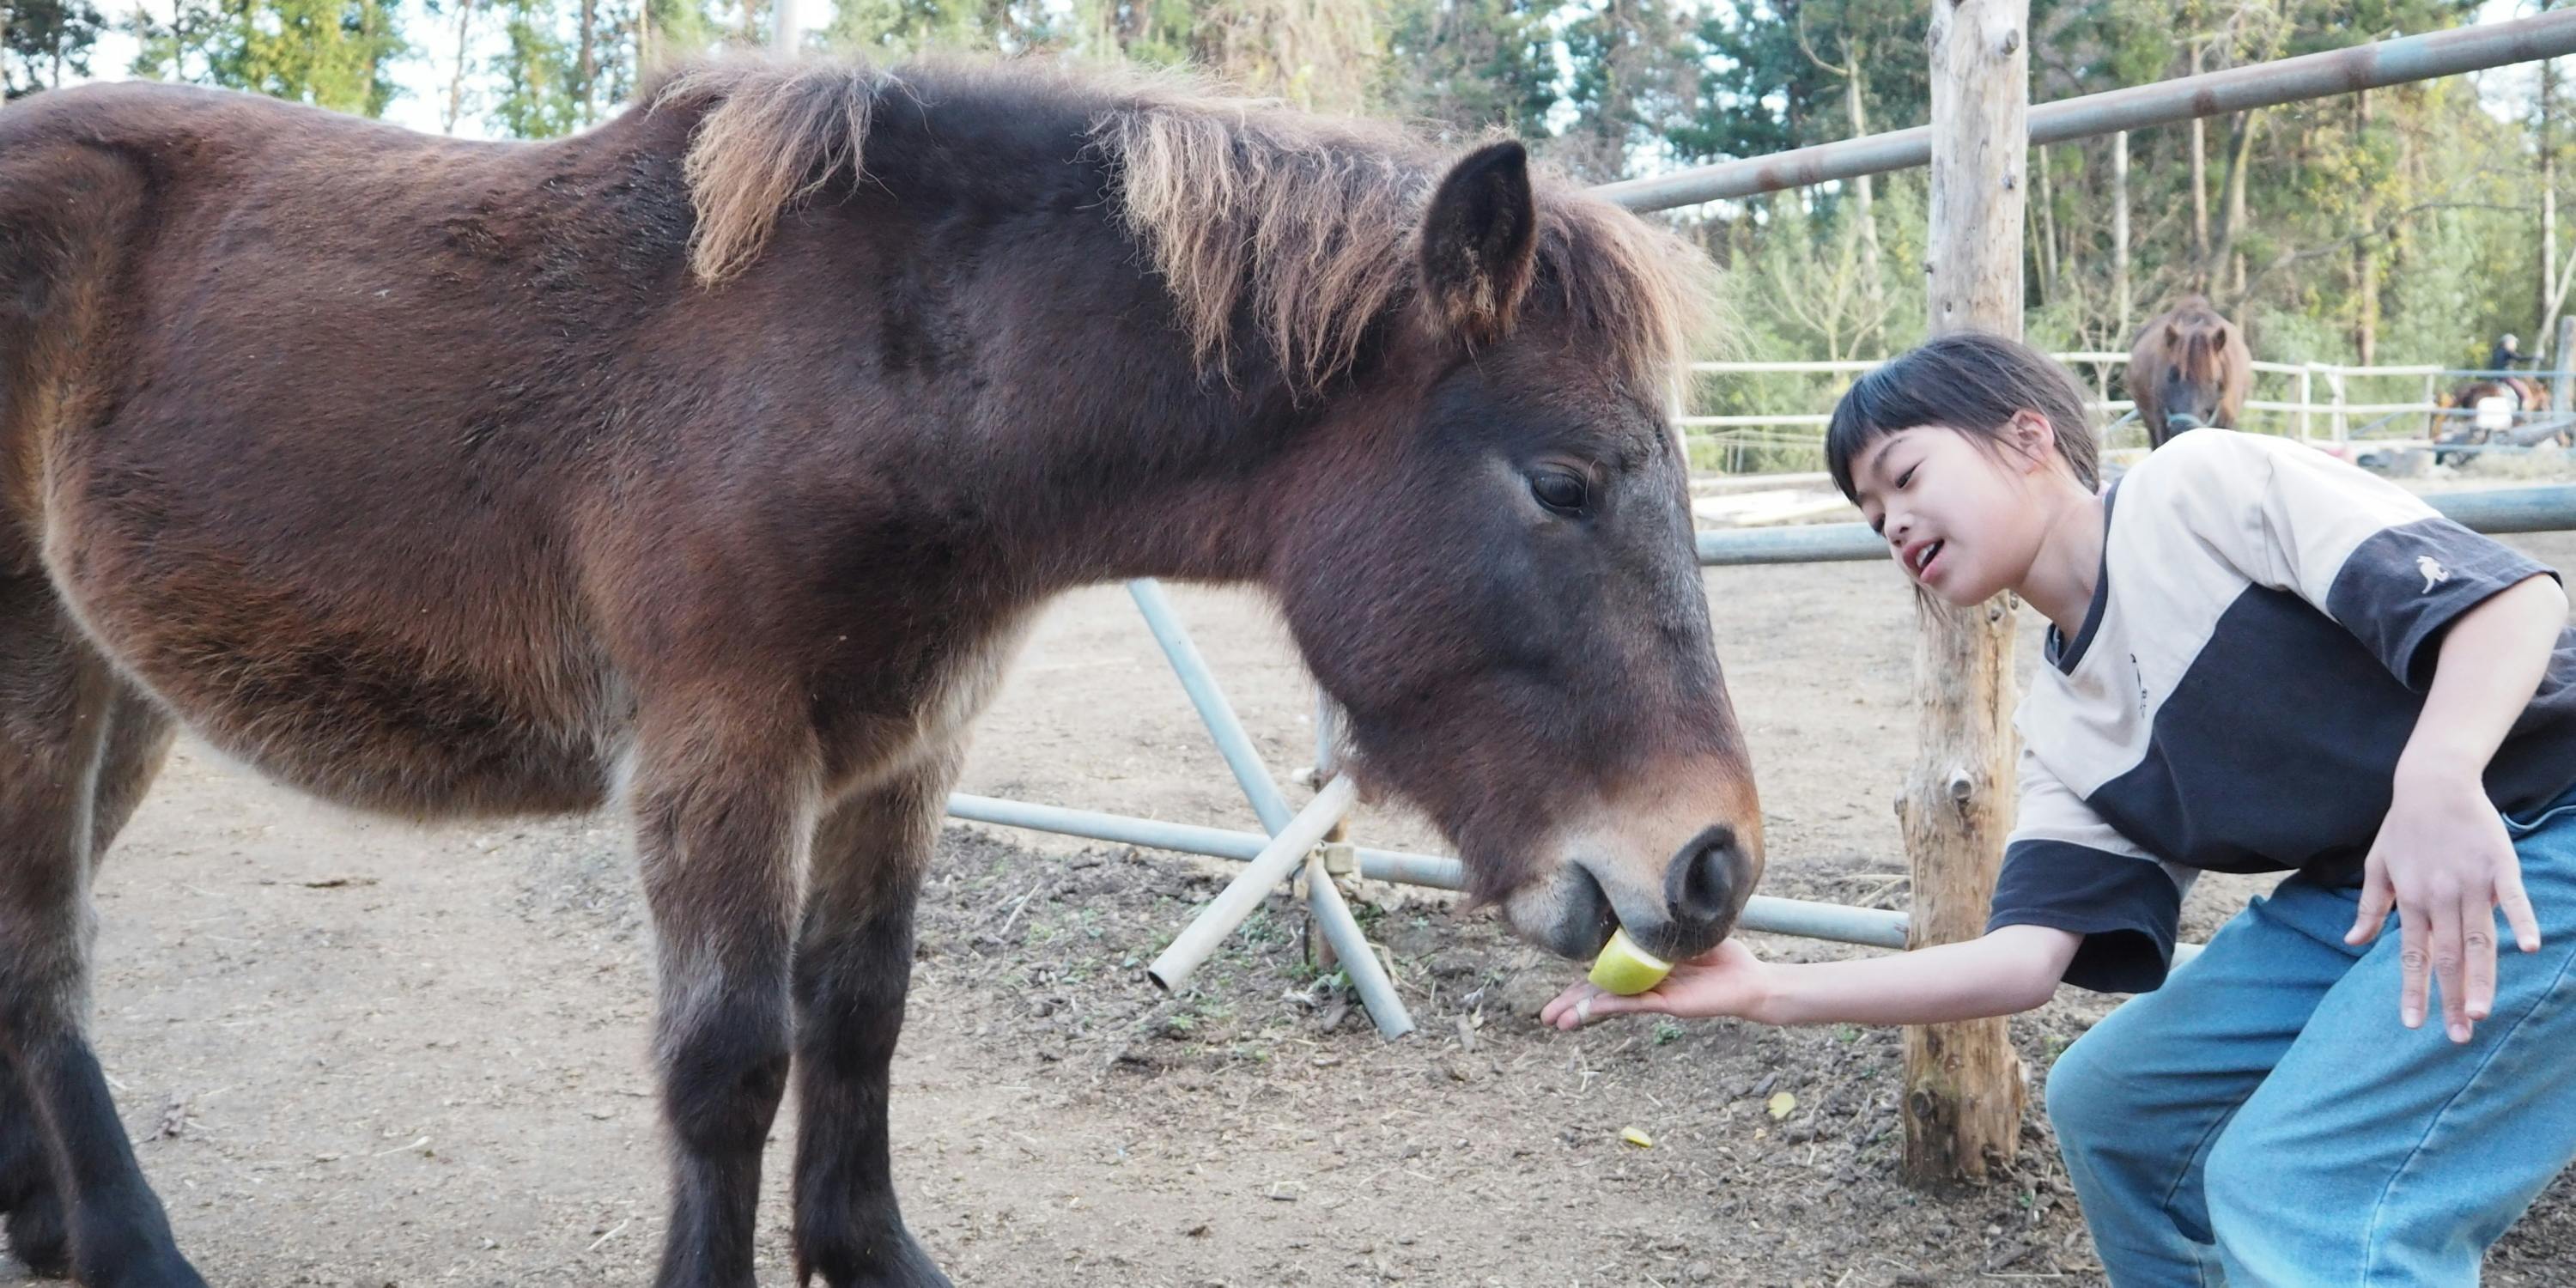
[1725, 980]
[2444, 863]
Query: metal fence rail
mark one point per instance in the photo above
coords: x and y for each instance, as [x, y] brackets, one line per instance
[2291, 80]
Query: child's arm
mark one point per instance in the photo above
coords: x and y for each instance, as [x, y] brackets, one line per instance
[2011, 969]
[2442, 859]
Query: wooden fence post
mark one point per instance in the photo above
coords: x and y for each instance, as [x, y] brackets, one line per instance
[1963, 1084]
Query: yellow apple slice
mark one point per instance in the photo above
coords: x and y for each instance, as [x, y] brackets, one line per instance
[1626, 969]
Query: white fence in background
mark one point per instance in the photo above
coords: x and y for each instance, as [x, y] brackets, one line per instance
[2319, 409]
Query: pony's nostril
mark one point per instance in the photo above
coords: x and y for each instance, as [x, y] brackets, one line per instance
[1700, 886]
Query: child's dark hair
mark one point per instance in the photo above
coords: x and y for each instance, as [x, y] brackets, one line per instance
[1972, 383]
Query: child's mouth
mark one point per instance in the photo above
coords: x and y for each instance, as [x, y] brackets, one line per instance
[1923, 558]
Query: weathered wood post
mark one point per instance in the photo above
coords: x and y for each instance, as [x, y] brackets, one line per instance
[1963, 1085]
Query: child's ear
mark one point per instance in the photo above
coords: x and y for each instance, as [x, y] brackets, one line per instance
[2032, 433]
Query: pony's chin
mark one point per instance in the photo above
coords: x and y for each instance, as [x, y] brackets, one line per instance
[1566, 913]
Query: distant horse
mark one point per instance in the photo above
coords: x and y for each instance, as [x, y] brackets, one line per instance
[2189, 368]
[2495, 405]
[713, 463]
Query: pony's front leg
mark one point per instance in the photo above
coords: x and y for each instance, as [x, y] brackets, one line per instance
[853, 965]
[721, 812]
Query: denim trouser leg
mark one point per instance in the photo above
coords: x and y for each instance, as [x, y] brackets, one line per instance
[2266, 1101]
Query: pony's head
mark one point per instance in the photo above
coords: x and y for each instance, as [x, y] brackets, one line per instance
[2186, 360]
[1487, 556]
[1474, 511]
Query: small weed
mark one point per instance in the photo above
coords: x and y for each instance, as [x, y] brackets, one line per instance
[1261, 928]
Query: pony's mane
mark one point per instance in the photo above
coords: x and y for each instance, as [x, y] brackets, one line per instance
[1305, 222]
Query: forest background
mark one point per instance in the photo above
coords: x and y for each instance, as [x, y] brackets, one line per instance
[2408, 225]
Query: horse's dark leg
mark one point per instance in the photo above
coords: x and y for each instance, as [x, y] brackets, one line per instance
[853, 965]
[57, 700]
[720, 822]
[137, 741]
[35, 1211]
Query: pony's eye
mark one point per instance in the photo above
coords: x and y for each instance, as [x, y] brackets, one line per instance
[1558, 490]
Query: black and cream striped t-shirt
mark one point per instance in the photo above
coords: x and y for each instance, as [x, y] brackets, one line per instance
[2252, 664]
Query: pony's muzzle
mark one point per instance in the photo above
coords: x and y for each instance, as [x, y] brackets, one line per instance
[1705, 889]
[2178, 421]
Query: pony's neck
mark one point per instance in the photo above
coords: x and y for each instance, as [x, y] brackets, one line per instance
[1195, 496]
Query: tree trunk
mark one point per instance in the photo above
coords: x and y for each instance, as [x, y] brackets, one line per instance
[456, 82]
[586, 65]
[2550, 296]
[1873, 280]
[2199, 189]
[2231, 219]
[2120, 231]
[2365, 264]
[2047, 230]
[783, 29]
[1963, 1086]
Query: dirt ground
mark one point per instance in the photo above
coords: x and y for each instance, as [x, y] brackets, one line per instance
[361, 1055]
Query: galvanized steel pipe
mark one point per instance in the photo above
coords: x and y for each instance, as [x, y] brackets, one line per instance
[1807, 918]
[2290, 80]
[1360, 965]
[1242, 895]
[1214, 711]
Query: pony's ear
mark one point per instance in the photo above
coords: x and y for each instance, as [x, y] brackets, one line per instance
[2173, 333]
[1479, 241]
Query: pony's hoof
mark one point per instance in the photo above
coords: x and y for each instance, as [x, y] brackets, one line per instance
[853, 1259]
[155, 1270]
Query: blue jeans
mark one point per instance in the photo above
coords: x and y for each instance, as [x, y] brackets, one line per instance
[2263, 1119]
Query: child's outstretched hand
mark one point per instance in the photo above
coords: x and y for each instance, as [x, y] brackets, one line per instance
[2444, 863]
[1725, 980]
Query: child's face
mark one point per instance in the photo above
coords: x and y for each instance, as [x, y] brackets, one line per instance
[1957, 513]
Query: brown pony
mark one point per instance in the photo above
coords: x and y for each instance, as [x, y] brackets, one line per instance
[711, 464]
[2189, 368]
[2525, 400]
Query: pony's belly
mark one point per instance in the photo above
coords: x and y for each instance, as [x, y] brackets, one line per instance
[394, 758]
[448, 718]
[371, 733]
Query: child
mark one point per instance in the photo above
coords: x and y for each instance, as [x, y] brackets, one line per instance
[2262, 659]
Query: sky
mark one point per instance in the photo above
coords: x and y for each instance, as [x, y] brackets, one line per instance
[2505, 91]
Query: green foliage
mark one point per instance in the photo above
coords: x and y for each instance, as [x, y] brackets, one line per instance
[46, 43]
[1464, 65]
[330, 53]
[539, 94]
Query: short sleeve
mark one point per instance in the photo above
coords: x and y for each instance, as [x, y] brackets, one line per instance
[2066, 869]
[2368, 554]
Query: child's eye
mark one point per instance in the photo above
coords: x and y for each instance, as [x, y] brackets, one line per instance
[1908, 476]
